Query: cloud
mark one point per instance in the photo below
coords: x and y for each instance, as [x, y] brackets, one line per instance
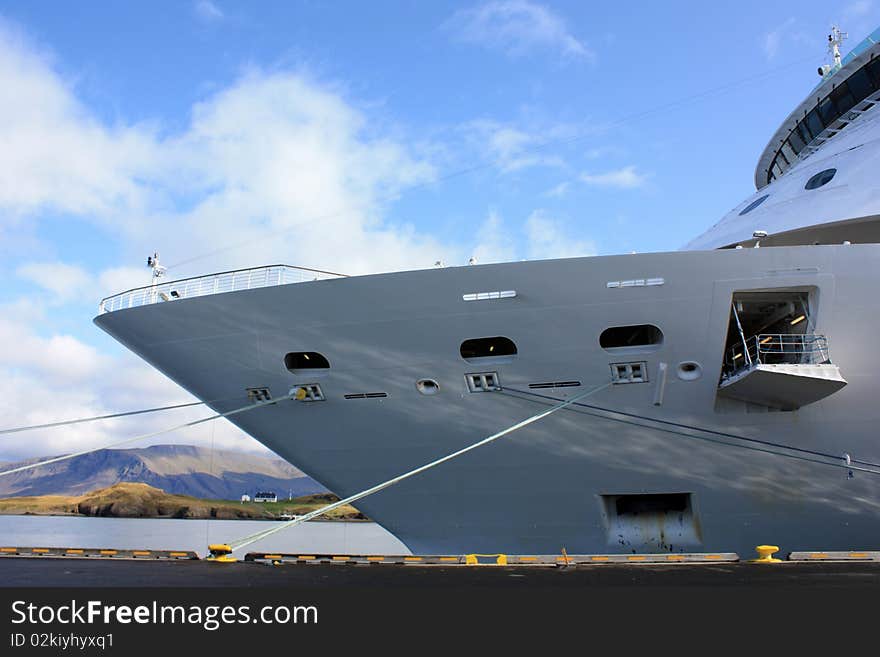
[773, 39]
[558, 191]
[858, 9]
[545, 237]
[207, 11]
[517, 27]
[495, 241]
[624, 178]
[513, 148]
[548, 239]
[62, 280]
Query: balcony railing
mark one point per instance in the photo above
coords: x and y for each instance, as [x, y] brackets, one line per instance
[776, 349]
[227, 281]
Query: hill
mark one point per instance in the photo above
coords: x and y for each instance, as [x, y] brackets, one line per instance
[177, 469]
[131, 500]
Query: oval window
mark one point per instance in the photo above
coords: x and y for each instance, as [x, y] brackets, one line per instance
[821, 178]
[751, 206]
[636, 336]
[498, 349]
[301, 362]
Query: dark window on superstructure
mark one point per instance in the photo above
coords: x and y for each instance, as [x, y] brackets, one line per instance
[495, 347]
[751, 206]
[306, 360]
[843, 99]
[627, 337]
[821, 178]
[827, 111]
[804, 132]
[859, 84]
[797, 144]
[814, 123]
[874, 71]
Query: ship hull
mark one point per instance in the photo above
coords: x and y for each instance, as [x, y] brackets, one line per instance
[553, 484]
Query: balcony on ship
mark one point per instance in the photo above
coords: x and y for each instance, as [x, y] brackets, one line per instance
[774, 358]
[784, 371]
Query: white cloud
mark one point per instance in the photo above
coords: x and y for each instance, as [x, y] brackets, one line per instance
[63, 280]
[857, 9]
[207, 11]
[558, 191]
[513, 148]
[547, 239]
[517, 27]
[773, 39]
[624, 178]
[495, 242]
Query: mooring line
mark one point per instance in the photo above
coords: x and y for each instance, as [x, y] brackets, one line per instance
[110, 416]
[253, 538]
[185, 425]
[836, 461]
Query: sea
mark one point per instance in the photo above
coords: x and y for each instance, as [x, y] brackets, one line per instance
[321, 537]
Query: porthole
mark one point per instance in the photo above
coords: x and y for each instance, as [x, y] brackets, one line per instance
[820, 179]
[637, 337]
[427, 386]
[497, 349]
[751, 206]
[689, 371]
[306, 362]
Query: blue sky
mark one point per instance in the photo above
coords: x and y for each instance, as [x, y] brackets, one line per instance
[358, 137]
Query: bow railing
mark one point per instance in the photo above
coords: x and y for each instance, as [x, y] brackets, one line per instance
[227, 281]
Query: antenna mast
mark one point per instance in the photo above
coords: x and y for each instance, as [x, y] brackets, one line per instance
[158, 270]
[835, 40]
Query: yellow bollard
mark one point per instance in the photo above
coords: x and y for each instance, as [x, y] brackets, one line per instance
[221, 553]
[765, 554]
[473, 559]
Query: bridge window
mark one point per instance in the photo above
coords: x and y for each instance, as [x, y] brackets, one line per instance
[859, 84]
[874, 71]
[843, 99]
[631, 337]
[497, 348]
[821, 178]
[296, 361]
[814, 123]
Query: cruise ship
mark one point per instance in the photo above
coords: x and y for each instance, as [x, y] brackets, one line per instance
[732, 384]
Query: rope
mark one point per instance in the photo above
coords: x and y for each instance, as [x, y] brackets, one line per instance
[144, 436]
[837, 461]
[253, 538]
[95, 418]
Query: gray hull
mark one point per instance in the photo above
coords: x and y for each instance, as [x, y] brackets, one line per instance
[547, 486]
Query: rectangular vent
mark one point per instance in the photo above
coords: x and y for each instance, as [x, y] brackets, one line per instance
[257, 395]
[554, 384]
[313, 392]
[483, 381]
[629, 372]
[366, 395]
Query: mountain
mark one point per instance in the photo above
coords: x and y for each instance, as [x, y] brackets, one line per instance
[176, 469]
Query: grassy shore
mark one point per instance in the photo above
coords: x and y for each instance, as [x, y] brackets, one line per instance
[131, 500]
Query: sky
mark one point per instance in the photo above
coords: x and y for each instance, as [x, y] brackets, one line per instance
[354, 137]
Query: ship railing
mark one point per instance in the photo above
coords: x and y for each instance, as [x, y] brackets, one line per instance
[227, 281]
[776, 349]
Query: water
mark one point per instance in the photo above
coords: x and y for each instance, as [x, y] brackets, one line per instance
[169, 534]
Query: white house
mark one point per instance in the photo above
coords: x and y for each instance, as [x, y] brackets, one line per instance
[265, 497]
[245, 498]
